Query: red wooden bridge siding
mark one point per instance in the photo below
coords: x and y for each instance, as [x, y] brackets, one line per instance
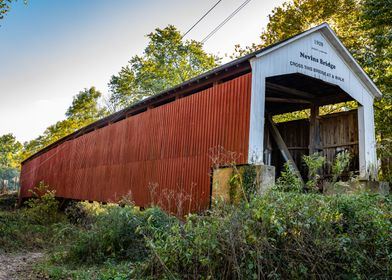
[157, 155]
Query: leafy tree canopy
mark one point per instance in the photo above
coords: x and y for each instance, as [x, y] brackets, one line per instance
[84, 110]
[167, 60]
[9, 151]
[5, 7]
[85, 107]
[293, 17]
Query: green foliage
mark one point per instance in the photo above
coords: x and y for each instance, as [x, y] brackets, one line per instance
[5, 7]
[324, 110]
[117, 233]
[43, 205]
[242, 183]
[249, 180]
[19, 230]
[167, 61]
[385, 152]
[314, 163]
[280, 236]
[288, 180]
[82, 213]
[376, 16]
[340, 165]
[84, 110]
[107, 271]
[235, 191]
[9, 179]
[8, 201]
[9, 151]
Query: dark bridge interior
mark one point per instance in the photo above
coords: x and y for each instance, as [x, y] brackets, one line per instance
[295, 92]
[291, 140]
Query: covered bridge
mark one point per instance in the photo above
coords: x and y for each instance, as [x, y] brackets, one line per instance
[159, 149]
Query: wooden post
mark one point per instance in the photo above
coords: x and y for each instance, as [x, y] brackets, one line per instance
[314, 130]
[283, 147]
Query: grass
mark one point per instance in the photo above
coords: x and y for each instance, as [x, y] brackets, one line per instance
[104, 271]
[19, 231]
[16, 230]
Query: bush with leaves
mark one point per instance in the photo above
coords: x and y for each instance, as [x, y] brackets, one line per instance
[288, 180]
[82, 213]
[280, 236]
[43, 206]
[314, 163]
[340, 165]
[118, 233]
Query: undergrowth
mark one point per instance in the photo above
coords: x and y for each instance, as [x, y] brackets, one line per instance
[33, 227]
[281, 235]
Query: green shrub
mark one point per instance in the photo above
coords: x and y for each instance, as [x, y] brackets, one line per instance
[43, 205]
[314, 163]
[117, 233]
[341, 163]
[279, 236]
[83, 213]
[8, 201]
[288, 180]
[243, 183]
[19, 230]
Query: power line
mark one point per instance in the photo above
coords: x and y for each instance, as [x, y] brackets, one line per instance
[225, 21]
[189, 30]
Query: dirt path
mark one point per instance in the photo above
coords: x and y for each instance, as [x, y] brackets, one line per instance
[18, 266]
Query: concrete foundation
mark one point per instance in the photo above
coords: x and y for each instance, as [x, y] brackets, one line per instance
[358, 186]
[230, 183]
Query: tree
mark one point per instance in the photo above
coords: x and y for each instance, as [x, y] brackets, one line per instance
[5, 7]
[85, 109]
[10, 150]
[167, 61]
[377, 21]
[293, 17]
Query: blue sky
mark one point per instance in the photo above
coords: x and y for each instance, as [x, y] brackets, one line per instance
[51, 50]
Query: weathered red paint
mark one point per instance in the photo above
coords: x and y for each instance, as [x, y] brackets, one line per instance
[157, 156]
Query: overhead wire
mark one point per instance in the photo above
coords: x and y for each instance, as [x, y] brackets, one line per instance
[225, 21]
[197, 22]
